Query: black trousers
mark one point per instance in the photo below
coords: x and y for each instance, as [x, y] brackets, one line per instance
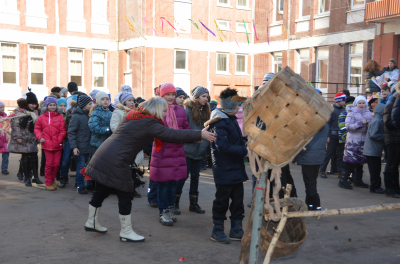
[101, 192]
[333, 147]
[356, 169]
[392, 166]
[235, 192]
[310, 175]
[374, 167]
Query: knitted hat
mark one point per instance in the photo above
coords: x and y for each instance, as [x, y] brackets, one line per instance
[55, 89]
[359, 98]
[31, 98]
[225, 100]
[139, 100]
[100, 95]
[72, 87]
[50, 100]
[350, 99]
[340, 97]
[267, 77]
[167, 88]
[198, 91]
[318, 90]
[124, 97]
[213, 104]
[126, 88]
[83, 100]
[1, 104]
[93, 93]
[63, 89]
[393, 60]
[62, 101]
[180, 91]
[392, 86]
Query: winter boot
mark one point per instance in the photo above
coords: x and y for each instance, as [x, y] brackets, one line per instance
[20, 173]
[194, 207]
[358, 179]
[176, 203]
[35, 169]
[171, 214]
[92, 224]
[63, 181]
[339, 174]
[127, 234]
[343, 181]
[26, 168]
[218, 234]
[236, 232]
[51, 187]
[165, 218]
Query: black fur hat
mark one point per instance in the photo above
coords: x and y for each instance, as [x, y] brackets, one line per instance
[31, 98]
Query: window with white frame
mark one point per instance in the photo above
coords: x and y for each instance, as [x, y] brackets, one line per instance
[304, 61]
[355, 4]
[99, 11]
[76, 66]
[241, 64]
[322, 67]
[8, 6]
[277, 63]
[355, 64]
[223, 63]
[241, 3]
[128, 61]
[240, 27]
[223, 25]
[99, 59]
[75, 10]
[34, 7]
[181, 60]
[278, 10]
[223, 2]
[9, 63]
[324, 6]
[182, 13]
[305, 8]
[280, 6]
[37, 65]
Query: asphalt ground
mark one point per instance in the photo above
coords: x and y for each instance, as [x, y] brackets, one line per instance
[38, 226]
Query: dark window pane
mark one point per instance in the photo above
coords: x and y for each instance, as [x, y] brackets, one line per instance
[36, 78]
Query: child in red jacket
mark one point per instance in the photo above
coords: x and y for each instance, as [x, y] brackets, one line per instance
[50, 131]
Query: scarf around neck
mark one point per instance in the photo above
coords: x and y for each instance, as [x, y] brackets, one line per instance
[171, 117]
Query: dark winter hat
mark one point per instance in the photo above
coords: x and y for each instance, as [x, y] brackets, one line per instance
[50, 100]
[350, 99]
[72, 87]
[267, 77]
[393, 60]
[55, 89]
[140, 100]
[83, 100]
[198, 91]
[213, 104]
[225, 100]
[31, 98]
[180, 91]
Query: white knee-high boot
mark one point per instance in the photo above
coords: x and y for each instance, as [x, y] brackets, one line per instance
[127, 234]
[92, 224]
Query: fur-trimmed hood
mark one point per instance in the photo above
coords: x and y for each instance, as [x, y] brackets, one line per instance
[216, 116]
[188, 103]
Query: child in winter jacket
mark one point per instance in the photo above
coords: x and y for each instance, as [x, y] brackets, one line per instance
[168, 164]
[5, 131]
[374, 143]
[180, 96]
[50, 131]
[99, 121]
[357, 125]
[126, 103]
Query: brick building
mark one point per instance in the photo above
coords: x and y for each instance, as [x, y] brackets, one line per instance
[45, 43]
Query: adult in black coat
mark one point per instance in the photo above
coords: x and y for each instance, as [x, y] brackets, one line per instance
[110, 167]
[391, 118]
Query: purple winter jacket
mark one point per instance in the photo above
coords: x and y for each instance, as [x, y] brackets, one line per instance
[170, 163]
[357, 132]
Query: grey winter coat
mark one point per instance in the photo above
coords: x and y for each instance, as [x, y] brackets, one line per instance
[79, 132]
[193, 150]
[315, 149]
[29, 140]
[375, 139]
[333, 121]
[124, 144]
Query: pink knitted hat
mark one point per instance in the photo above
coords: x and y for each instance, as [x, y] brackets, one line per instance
[166, 88]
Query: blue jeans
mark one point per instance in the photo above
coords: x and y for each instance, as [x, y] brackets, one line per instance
[80, 164]
[4, 162]
[152, 192]
[66, 159]
[193, 168]
[166, 194]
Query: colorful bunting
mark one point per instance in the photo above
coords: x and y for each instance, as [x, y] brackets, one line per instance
[129, 23]
[230, 32]
[194, 23]
[162, 25]
[255, 32]
[219, 31]
[145, 21]
[207, 28]
[247, 35]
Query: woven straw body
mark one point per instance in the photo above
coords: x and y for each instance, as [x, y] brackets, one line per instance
[293, 113]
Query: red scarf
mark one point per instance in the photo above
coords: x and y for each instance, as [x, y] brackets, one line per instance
[140, 113]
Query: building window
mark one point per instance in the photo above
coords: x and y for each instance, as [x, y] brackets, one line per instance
[242, 3]
[9, 63]
[278, 12]
[128, 61]
[322, 68]
[223, 2]
[99, 68]
[181, 59]
[8, 6]
[324, 6]
[356, 4]
[241, 64]
[305, 8]
[75, 10]
[37, 65]
[182, 13]
[304, 55]
[34, 7]
[76, 66]
[240, 27]
[222, 63]
[99, 11]
[355, 64]
[223, 25]
[277, 64]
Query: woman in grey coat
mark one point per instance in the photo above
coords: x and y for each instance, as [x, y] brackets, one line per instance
[197, 112]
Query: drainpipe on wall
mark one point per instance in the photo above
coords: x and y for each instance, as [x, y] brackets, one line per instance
[253, 15]
[209, 55]
[288, 35]
[117, 32]
[58, 44]
[153, 78]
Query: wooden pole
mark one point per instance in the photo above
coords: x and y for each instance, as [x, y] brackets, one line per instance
[279, 229]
